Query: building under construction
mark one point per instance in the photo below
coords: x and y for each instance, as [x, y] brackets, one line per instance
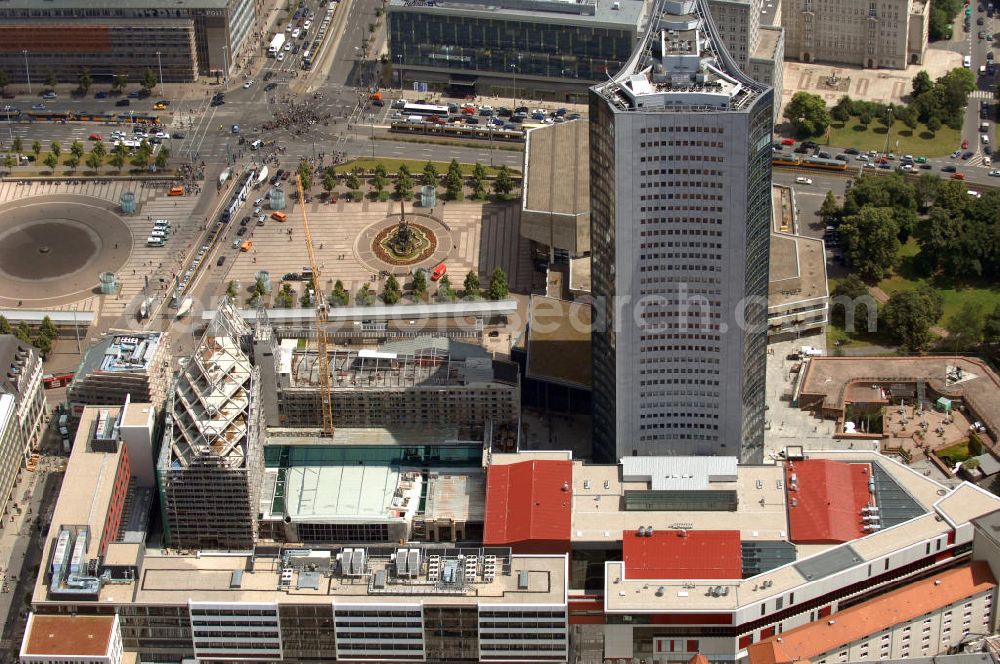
[408, 382]
[211, 461]
[125, 363]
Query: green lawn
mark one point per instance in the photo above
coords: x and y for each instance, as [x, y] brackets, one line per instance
[918, 142]
[955, 453]
[954, 294]
[415, 165]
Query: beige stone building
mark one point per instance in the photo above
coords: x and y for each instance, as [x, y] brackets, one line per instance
[753, 37]
[875, 34]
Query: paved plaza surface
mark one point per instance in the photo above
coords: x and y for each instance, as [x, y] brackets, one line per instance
[72, 232]
[470, 236]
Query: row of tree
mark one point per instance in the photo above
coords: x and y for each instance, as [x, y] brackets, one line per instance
[404, 181]
[42, 340]
[392, 291]
[84, 81]
[95, 158]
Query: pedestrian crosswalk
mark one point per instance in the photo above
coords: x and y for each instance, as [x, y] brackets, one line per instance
[981, 94]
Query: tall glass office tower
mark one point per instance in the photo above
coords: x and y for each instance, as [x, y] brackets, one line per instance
[680, 162]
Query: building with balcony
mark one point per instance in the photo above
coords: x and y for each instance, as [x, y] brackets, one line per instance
[22, 411]
[120, 366]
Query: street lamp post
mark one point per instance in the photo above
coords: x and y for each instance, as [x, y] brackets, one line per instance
[225, 68]
[399, 58]
[513, 68]
[159, 63]
[27, 72]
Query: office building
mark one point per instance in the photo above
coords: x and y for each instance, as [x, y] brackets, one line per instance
[752, 34]
[680, 216]
[123, 365]
[798, 298]
[420, 381]
[886, 34]
[521, 49]
[211, 460]
[185, 38]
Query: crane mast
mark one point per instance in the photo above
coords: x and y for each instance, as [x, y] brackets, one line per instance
[322, 307]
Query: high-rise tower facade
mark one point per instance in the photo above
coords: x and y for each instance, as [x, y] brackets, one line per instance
[680, 158]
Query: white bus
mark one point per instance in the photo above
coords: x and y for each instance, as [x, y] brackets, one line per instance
[426, 110]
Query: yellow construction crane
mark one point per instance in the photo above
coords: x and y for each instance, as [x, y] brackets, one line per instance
[322, 307]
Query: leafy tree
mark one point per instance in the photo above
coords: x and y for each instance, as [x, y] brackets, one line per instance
[886, 118]
[72, 161]
[23, 332]
[922, 83]
[48, 328]
[36, 147]
[338, 296]
[479, 171]
[50, 79]
[891, 191]
[933, 124]
[420, 283]
[305, 175]
[283, 299]
[162, 156]
[504, 184]
[308, 292]
[808, 114]
[329, 183]
[453, 181]
[865, 117]
[445, 293]
[841, 111]
[404, 183]
[119, 82]
[498, 289]
[231, 291]
[5, 327]
[51, 161]
[392, 292]
[991, 327]
[365, 297]
[56, 148]
[353, 181]
[148, 81]
[380, 170]
[478, 189]
[94, 160]
[141, 158]
[378, 182]
[118, 156]
[8, 162]
[85, 80]
[43, 344]
[871, 241]
[4, 80]
[471, 285]
[955, 87]
[17, 145]
[830, 209]
[848, 293]
[925, 189]
[909, 315]
[76, 149]
[965, 327]
[430, 175]
[908, 116]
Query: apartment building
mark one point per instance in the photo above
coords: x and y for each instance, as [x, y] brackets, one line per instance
[752, 34]
[680, 216]
[22, 410]
[419, 381]
[124, 364]
[72, 640]
[190, 38]
[885, 34]
[211, 460]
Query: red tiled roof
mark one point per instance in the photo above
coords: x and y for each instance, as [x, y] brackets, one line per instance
[893, 608]
[698, 659]
[678, 554]
[527, 502]
[825, 500]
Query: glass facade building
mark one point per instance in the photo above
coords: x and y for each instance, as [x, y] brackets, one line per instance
[490, 49]
[680, 217]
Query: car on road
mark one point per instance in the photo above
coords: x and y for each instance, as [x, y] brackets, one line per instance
[287, 47]
[292, 276]
[123, 102]
[236, 129]
[965, 144]
[245, 220]
[926, 167]
[803, 180]
[248, 84]
[178, 135]
[158, 106]
[261, 219]
[787, 141]
[967, 154]
[134, 94]
[38, 107]
[222, 259]
[237, 241]
[810, 144]
[95, 137]
[863, 158]
[270, 86]
[851, 151]
[242, 231]
[948, 168]
[995, 173]
[101, 94]
[50, 95]
[280, 57]
[9, 109]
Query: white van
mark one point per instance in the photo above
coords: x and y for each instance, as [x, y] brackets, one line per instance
[158, 233]
[155, 241]
[967, 62]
